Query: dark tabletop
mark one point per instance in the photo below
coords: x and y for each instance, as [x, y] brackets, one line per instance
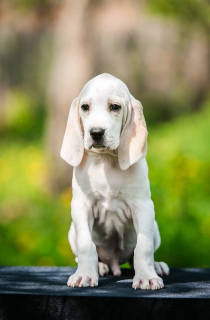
[51, 281]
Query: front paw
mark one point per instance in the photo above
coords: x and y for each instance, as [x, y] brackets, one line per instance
[153, 283]
[83, 280]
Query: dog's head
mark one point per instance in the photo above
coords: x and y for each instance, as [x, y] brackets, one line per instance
[105, 117]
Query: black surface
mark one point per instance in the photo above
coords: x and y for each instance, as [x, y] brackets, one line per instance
[42, 293]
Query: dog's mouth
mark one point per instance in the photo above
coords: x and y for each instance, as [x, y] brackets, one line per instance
[102, 149]
[98, 146]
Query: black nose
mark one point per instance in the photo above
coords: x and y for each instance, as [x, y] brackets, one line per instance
[97, 133]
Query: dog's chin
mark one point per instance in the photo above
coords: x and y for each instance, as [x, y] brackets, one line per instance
[100, 148]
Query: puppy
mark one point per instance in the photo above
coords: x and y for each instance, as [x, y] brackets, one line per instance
[113, 217]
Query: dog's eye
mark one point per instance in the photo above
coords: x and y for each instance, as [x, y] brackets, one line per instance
[115, 107]
[85, 107]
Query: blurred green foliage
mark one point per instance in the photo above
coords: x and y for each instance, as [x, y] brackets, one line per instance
[188, 11]
[35, 4]
[34, 222]
[179, 163]
[25, 119]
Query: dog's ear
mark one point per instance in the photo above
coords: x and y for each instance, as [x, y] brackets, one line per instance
[72, 149]
[133, 142]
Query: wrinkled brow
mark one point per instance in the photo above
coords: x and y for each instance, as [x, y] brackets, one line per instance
[116, 99]
[86, 101]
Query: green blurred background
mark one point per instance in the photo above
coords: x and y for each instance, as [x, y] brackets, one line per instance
[48, 50]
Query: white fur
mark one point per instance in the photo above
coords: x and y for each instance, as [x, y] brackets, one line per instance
[112, 212]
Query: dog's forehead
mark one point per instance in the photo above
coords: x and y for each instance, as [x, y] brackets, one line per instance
[103, 87]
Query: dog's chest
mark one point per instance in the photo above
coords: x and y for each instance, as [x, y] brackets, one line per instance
[109, 206]
[109, 194]
[106, 182]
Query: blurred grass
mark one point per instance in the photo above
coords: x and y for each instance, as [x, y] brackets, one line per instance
[34, 223]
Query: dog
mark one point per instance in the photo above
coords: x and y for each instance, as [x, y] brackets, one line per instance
[113, 217]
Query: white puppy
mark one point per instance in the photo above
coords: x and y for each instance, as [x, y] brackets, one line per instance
[112, 211]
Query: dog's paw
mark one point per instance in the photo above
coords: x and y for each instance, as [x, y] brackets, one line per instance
[77, 280]
[103, 269]
[147, 284]
[162, 268]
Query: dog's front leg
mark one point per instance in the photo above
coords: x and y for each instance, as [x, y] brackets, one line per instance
[87, 270]
[145, 274]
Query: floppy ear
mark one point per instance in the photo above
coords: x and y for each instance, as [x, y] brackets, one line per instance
[133, 142]
[72, 149]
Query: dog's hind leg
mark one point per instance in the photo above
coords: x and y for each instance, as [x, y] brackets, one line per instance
[115, 267]
[103, 268]
[72, 240]
[156, 237]
[160, 267]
